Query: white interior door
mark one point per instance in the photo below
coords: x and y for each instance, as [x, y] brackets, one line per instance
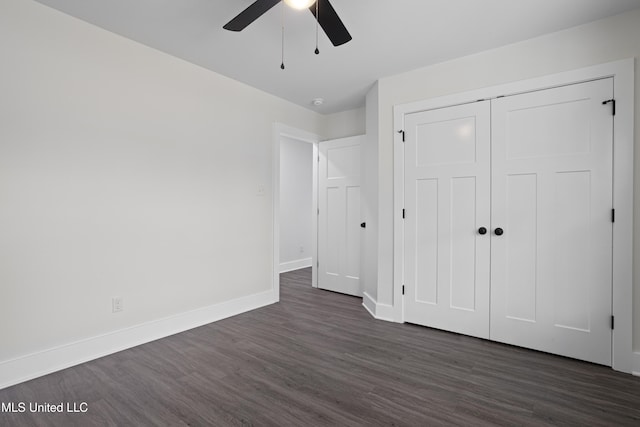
[447, 201]
[552, 196]
[339, 216]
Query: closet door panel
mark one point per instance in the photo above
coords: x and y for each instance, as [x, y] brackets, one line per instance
[552, 196]
[447, 194]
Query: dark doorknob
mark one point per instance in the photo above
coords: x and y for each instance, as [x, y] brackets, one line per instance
[482, 230]
[499, 231]
[363, 224]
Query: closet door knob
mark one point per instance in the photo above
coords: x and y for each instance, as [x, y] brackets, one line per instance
[482, 230]
[499, 231]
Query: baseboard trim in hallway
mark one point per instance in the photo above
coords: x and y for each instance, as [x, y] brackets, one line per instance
[295, 265]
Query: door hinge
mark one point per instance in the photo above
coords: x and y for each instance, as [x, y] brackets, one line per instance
[402, 213]
[318, 158]
[613, 105]
[613, 215]
[402, 132]
[612, 322]
[402, 289]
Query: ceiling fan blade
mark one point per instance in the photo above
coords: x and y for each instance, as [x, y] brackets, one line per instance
[331, 22]
[250, 14]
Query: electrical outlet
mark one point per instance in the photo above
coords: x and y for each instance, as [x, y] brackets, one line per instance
[260, 191]
[117, 304]
[301, 249]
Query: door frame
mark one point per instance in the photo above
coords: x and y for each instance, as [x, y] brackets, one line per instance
[623, 74]
[281, 130]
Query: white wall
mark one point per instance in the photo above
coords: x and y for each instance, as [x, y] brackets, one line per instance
[344, 124]
[598, 42]
[124, 172]
[296, 194]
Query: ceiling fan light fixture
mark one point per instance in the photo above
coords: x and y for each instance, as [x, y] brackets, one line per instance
[299, 4]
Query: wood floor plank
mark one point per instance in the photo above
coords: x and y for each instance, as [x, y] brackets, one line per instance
[317, 358]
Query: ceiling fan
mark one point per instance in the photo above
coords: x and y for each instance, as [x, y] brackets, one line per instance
[322, 10]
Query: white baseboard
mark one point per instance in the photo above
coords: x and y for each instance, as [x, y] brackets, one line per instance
[35, 365]
[635, 370]
[369, 303]
[377, 310]
[295, 265]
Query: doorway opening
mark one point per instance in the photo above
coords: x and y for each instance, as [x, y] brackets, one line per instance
[295, 202]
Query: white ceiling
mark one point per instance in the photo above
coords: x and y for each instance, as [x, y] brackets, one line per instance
[389, 37]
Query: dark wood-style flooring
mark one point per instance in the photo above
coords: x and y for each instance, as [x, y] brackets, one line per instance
[318, 358]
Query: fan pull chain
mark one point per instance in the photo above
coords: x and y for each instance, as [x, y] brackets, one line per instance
[317, 25]
[282, 63]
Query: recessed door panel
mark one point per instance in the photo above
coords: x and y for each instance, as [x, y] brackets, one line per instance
[521, 242]
[343, 162]
[463, 247]
[460, 148]
[426, 253]
[572, 246]
[352, 265]
[548, 130]
[334, 213]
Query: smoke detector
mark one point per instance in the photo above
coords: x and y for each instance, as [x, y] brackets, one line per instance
[317, 101]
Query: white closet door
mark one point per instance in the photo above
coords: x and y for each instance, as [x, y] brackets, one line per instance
[552, 196]
[447, 201]
[339, 216]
